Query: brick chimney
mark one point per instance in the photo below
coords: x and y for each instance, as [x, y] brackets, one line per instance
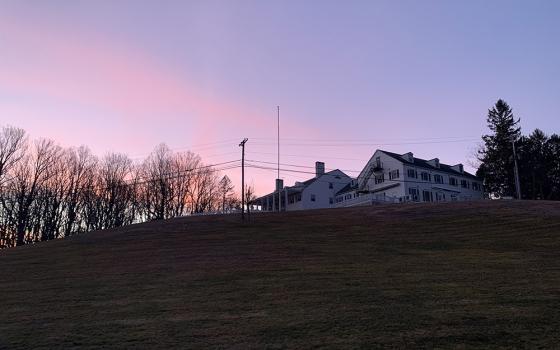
[319, 169]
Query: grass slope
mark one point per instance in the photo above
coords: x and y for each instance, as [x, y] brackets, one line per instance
[473, 275]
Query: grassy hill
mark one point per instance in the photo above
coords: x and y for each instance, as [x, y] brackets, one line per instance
[470, 275]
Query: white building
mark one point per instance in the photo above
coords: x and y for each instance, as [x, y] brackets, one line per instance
[315, 193]
[392, 177]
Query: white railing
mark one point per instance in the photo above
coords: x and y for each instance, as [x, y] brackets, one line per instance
[370, 199]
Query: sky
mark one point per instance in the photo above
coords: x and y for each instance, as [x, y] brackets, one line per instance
[349, 76]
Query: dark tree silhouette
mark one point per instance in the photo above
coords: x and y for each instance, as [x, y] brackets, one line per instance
[48, 192]
[226, 192]
[496, 156]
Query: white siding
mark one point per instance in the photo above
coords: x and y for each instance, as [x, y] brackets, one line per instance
[321, 191]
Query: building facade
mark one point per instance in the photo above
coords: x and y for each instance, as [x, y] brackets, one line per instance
[318, 192]
[392, 177]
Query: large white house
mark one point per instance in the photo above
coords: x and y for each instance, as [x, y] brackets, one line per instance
[315, 193]
[392, 177]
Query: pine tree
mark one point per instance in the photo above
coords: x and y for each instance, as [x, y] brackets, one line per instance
[533, 158]
[553, 167]
[496, 157]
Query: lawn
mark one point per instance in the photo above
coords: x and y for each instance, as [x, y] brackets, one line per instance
[461, 275]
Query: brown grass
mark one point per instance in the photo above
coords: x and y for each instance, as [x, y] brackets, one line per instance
[462, 275]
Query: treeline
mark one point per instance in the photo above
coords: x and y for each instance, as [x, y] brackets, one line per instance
[538, 158]
[48, 192]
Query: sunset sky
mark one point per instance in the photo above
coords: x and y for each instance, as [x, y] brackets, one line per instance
[349, 76]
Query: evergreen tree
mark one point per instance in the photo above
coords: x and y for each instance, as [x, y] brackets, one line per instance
[496, 156]
[534, 160]
[553, 167]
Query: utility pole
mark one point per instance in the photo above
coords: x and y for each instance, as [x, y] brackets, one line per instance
[279, 190]
[242, 145]
[516, 172]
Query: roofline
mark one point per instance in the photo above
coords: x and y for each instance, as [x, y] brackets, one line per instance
[303, 185]
[432, 168]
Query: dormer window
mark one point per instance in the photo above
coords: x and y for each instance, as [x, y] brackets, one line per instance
[458, 168]
[409, 157]
[434, 162]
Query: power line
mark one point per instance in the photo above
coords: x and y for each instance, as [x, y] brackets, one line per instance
[371, 140]
[389, 180]
[364, 144]
[305, 156]
[167, 176]
[302, 166]
[194, 149]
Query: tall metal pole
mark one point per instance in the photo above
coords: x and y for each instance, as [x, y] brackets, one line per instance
[516, 172]
[279, 190]
[242, 145]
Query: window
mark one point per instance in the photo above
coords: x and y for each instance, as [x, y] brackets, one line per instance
[425, 176]
[379, 179]
[313, 198]
[426, 196]
[476, 186]
[413, 192]
[339, 199]
[330, 185]
[438, 179]
[330, 200]
[464, 184]
[440, 196]
[453, 181]
[378, 162]
[394, 174]
[348, 196]
[412, 173]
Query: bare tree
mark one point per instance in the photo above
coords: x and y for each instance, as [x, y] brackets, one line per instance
[226, 188]
[184, 168]
[157, 189]
[205, 193]
[51, 199]
[29, 175]
[249, 198]
[13, 144]
[47, 192]
[115, 195]
[81, 172]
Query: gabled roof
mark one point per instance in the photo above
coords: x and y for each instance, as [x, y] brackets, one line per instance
[422, 163]
[348, 188]
[332, 172]
[306, 183]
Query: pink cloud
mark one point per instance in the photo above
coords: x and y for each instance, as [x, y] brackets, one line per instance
[80, 67]
[48, 62]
